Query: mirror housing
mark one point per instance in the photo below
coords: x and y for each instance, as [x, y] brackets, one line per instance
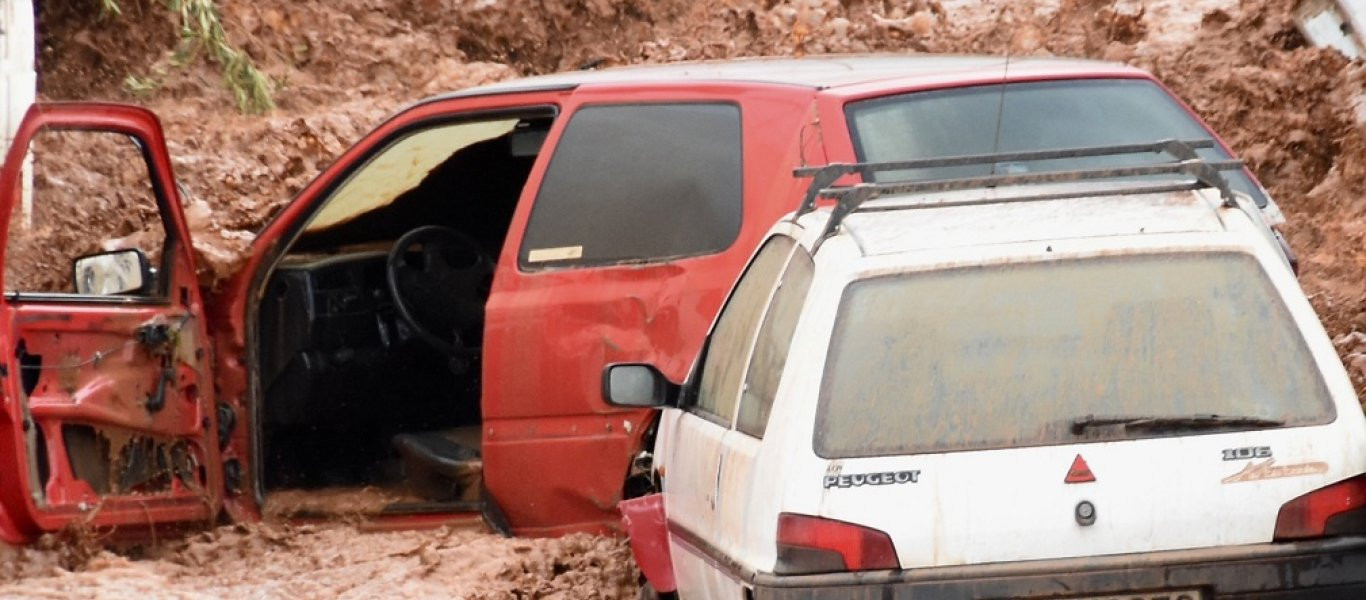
[112, 273]
[637, 385]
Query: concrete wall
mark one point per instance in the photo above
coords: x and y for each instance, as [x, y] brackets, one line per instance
[17, 77]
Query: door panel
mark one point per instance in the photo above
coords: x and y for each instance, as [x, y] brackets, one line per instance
[735, 526]
[554, 325]
[103, 425]
[689, 465]
[106, 416]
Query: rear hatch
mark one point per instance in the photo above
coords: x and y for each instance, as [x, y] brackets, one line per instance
[1076, 407]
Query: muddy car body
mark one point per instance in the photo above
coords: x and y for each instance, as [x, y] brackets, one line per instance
[1060, 384]
[584, 219]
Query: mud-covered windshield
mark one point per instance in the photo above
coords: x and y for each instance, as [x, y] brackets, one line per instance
[1010, 355]
[1032, 116]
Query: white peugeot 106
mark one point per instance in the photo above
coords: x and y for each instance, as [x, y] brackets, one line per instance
[1099, 383]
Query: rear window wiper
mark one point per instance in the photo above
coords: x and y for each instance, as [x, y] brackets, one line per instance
[1081, 424]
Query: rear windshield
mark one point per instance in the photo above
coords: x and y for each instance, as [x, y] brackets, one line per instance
[1008, 355]
[1032, 116]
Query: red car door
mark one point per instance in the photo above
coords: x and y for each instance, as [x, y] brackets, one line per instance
[106, 412]
[589, 282]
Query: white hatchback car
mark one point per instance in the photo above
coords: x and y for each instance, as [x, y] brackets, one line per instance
[1102, 383]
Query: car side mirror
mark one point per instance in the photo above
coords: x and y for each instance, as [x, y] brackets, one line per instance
[110, 273]
[637, 386]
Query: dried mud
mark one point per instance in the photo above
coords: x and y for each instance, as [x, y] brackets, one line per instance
[1293, 111]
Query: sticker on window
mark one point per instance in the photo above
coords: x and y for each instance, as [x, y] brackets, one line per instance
[549, 254]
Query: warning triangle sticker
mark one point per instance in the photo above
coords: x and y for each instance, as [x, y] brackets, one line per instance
[1079, 472]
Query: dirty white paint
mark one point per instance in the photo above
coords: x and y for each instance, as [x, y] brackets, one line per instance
[18, 79]
[1009, 504]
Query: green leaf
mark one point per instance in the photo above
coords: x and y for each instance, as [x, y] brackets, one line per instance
[201, 27]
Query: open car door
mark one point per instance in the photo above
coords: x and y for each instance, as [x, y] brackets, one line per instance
[106, 418]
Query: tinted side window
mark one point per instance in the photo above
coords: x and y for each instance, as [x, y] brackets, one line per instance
[733, 337]
[770, 349]
[638, 183]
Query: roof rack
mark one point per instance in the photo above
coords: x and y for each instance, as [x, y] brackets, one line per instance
[850, 198]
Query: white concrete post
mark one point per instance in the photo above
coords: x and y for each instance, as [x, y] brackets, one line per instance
[18, 80]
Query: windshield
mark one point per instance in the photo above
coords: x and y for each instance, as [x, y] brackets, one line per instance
[401, 167]
[1010, 355]
[1032, 116]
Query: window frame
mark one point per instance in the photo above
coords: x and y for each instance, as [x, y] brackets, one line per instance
[691, 395]
[171, 242]
[353, 167]
[767, 325]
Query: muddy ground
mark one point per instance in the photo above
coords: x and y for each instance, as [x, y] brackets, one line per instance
[325, 561]
[1293, 111]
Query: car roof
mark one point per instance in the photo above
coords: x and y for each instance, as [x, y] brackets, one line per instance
[905, 224]
[818, 72]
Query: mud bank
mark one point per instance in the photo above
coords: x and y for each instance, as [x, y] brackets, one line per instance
[342, 66]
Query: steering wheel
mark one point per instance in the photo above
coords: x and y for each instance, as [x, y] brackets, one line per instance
[439, 279]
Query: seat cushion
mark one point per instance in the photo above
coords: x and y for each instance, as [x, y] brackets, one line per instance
[436, 451]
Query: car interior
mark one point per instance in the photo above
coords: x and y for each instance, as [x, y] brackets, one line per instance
[370, 327]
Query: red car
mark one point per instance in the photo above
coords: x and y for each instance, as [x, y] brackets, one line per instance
[430, 318]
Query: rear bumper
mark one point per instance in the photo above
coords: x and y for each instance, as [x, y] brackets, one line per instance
[1323, 570]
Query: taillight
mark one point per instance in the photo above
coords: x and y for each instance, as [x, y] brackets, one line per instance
[1338, 509]
[809, 544]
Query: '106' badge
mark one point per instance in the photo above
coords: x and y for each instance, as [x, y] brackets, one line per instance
[1247, 453]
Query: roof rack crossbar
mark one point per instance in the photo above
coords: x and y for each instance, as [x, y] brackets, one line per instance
[824, 176]
[1205, 174]
[1180, 186]
[1199, 169]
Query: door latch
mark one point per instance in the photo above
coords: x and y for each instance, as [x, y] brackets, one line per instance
[159, 339]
